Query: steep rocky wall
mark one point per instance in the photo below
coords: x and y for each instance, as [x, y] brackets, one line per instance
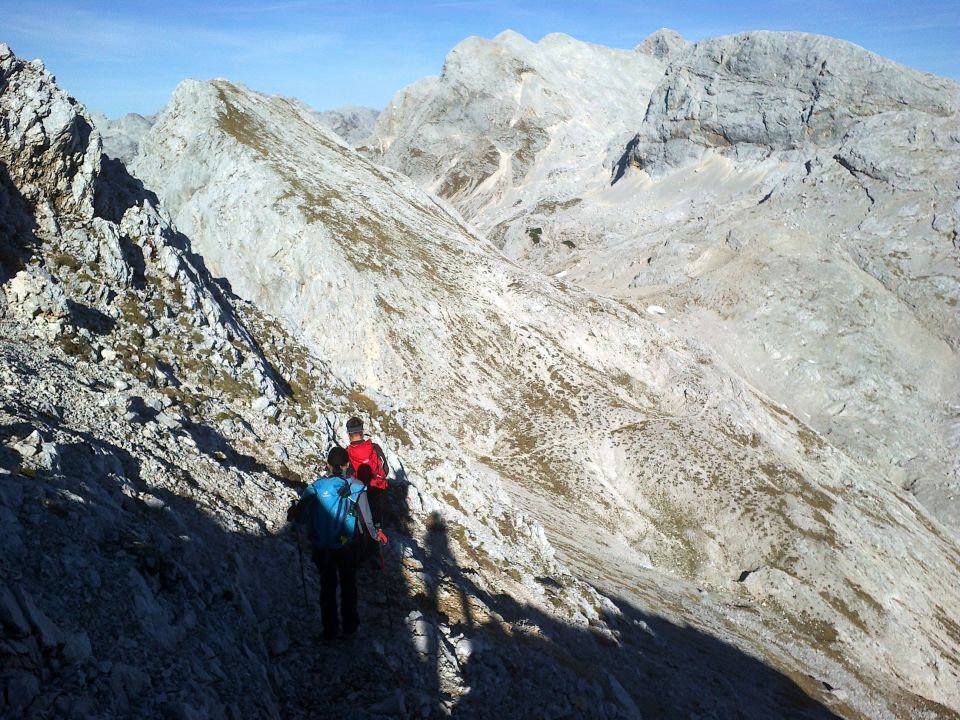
[506, 117]
[758, 92]
[353, 124]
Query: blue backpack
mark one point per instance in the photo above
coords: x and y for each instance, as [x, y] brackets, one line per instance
[330, 512]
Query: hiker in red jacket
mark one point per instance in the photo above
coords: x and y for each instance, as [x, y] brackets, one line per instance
[369, 467]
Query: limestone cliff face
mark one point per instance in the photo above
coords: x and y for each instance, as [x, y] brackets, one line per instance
[354, 124]
[654, 469]
[765, 91]
[121, 137]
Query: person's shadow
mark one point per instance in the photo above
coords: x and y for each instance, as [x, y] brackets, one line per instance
[647, 667]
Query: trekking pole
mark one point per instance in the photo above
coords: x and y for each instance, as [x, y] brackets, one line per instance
[303, 575]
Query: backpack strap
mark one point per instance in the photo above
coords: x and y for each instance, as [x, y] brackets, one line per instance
[363, 505]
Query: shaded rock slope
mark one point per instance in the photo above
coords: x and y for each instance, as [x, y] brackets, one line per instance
[789, 200]
[660, 477]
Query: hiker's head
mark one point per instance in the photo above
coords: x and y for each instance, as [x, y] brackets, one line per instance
[355, 428]
[337, 458]
[364, 474]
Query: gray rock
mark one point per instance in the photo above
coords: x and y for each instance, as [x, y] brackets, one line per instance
[394, 705]
[48, 457]
[11, 494]
[278, 642]
[155, 404]
[35, 293]
[11, 614]
[153, 502]
[622, 697]
[169, 421]
[353, 124]
[128, 681]
[49, 633]
[464, 650]
[776, 91]
[664, 44]
[22, 689]
[77, 649]
[29, 446]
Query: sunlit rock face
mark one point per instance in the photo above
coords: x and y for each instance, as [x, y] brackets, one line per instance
[511, 122]
[121, 138]
[788, 199]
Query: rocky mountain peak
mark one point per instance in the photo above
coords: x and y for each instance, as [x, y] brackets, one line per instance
[664, 44]
[121, 138]
[510, 100]
[49, 149]
[505, 37]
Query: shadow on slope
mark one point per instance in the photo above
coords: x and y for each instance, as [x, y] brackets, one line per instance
[193, 609]
[18, 240]
[654, 667]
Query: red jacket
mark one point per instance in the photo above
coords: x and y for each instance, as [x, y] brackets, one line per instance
[367, 452]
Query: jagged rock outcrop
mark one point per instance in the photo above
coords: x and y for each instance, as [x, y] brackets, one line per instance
[97, 285]
[661, 476]
[665, 44]
[354, 124]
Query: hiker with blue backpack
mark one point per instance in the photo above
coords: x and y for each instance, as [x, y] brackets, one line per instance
[335, 512]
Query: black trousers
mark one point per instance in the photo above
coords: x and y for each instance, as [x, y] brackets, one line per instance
[376, 499]
[338, 567]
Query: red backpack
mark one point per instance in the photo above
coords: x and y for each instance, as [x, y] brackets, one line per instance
[362, 453]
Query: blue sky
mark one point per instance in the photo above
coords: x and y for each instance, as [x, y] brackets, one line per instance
[119, 56]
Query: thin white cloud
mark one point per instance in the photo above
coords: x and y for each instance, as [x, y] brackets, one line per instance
[91, 36]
